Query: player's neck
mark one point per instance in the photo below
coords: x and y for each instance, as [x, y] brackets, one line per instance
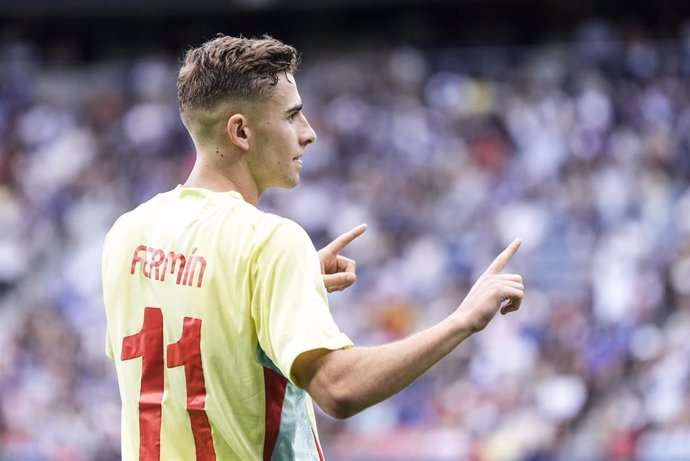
[207, 177]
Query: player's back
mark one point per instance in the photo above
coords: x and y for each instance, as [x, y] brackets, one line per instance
[178, 287]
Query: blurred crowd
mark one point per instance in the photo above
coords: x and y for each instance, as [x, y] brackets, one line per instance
[582, 149]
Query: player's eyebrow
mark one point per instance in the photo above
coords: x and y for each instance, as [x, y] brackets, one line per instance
[295, 108]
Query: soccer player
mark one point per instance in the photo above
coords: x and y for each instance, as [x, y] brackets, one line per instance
[217, 313]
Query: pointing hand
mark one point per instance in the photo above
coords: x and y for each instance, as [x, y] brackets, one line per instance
[339, 271]
[493, 290]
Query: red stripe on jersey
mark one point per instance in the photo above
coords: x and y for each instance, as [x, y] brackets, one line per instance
[274, 384]
[318, 447]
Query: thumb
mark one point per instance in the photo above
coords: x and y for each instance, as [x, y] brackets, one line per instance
[339, 280]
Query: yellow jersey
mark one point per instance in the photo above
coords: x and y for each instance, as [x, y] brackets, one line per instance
[208, 302]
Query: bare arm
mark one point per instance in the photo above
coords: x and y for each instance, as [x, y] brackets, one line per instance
[345, 382]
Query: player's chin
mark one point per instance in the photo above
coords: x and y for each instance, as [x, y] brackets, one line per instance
[290, 182]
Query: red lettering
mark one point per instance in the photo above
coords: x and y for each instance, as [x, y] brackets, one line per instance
[187, 352]
[136, 258]
[189, 266]
[174, 257]
[146, 273]
[155, 265]
[201, 271]
[148, 344]
[157, 260]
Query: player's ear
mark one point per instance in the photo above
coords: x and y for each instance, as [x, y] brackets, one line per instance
[238, 131]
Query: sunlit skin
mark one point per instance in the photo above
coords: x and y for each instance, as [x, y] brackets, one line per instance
[280, 137]
[249, 146]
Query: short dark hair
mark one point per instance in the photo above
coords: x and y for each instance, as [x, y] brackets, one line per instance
[232, 68]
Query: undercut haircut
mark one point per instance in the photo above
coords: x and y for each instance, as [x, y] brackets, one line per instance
[232, 68]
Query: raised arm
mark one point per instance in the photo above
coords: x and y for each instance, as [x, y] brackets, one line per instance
[347, 381]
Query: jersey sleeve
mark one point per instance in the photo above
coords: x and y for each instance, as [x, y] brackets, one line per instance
[290, 304]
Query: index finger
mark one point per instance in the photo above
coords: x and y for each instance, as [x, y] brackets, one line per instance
[504, 258]
[340, 242]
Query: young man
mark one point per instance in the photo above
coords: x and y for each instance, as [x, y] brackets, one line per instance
[218, 319]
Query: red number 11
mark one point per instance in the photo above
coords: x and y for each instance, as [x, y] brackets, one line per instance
[148, 344]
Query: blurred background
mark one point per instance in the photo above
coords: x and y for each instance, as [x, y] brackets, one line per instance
[450, 128]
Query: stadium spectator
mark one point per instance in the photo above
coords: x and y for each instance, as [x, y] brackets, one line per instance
[581, 149]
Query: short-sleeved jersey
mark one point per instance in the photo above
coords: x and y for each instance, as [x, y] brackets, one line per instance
[208, 302]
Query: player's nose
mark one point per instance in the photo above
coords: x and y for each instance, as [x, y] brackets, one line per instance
[308, 133]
